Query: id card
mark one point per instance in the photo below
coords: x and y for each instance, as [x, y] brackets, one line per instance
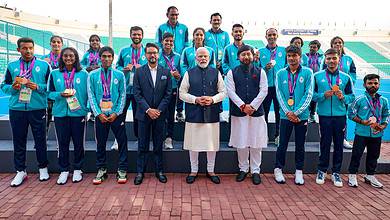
[73, 103]
[105, 106]
[131, 78]
[25, 95]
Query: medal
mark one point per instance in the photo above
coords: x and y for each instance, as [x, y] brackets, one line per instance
[372, 119]
[335, 88]
[290, 102]
[273, 62]
[374, 106]
[21, 80]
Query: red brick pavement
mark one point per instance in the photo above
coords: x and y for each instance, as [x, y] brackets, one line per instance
[201, 200]
[385, 151]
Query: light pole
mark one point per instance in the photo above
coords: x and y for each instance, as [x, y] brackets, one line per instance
[110, 23]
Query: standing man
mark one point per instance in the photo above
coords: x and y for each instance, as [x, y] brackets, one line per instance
[247, 88]
[130, 59]
[170, 60]
[272, 59]
[202, 89]
[294, 90]
[370, 111]
[314, 63]
[230, 59]
[180, 36]
[107, 97]
[297, 41]
[25, 81]
[332, 91]
[152, 91]
[217, 39]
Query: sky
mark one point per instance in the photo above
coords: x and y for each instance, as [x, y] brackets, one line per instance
[374, 13]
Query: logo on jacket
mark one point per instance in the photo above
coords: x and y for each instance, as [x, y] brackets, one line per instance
[323, 80]
[365, 107]
[58, 80]
[16, 70]
[37, 69]
[280, 54]
[181, 31]
[285, 82]
[78, 80]
[115, 81]
[301, 79]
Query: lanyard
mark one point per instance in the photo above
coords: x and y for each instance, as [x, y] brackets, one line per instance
[170, 62]
[106, 84]
[26, 73]
[69, 79]
[291, 84]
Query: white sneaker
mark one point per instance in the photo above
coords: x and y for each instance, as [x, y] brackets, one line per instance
[279, 178]
[114, 145]
[168, 143]
[370, 179]
[337, 181]
[19, 178]
[321, 176]
[43, 174]
[63, 178]
[77, 177]
[277, 141]
[352, 180]
[299, 177]
[347, 145]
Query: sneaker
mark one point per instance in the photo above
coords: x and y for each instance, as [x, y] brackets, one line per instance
[19, 178]
[276, 140]
[337, 181]
[279, 178]
[352, 180]
[299, 177]
[63, 178]
[370, 179]
[347, 145]
[114, 145]
[43, 174]
[321, 176]
[100, 176]
[179, 117]
[77, 177]
[312, 119]
[121, 176]
[168, 143]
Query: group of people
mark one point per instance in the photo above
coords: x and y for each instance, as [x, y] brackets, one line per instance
[157, 78]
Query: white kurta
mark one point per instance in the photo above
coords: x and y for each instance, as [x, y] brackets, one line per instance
[201, 136]
[248, 131]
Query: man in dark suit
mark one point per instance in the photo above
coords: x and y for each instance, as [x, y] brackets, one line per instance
[152, 91]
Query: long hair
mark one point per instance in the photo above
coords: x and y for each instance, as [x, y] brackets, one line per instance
[337, 38]
[193, 34]
[90, 38]
[76, 64]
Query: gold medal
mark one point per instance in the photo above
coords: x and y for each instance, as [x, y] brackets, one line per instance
[290, 102]
[372, 119]
[335, 88]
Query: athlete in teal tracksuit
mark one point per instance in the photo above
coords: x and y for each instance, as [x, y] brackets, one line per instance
[188, 58]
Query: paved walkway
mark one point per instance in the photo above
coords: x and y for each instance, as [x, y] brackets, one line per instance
[201, 200]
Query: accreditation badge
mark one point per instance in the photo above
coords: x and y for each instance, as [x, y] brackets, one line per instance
[131, 78]
[73, 103]
[106, 105]
[25, 95]
[220, 54]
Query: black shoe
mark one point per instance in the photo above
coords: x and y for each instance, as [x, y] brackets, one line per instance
[215, 179]
[138, 179]
[241, 176]
[256, 178]
[191, 179]
[161, 177]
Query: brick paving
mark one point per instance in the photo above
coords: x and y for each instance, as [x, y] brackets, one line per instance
[385, 151]
[201, 200]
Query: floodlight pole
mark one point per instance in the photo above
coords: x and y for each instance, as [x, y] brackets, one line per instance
[110, 23]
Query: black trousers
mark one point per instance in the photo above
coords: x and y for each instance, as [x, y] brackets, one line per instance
[171, 112]
[130, 99]
[373, 151]
[271, 97]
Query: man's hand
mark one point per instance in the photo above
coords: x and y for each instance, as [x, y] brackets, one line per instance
[218, 64]
[103, 118]
[339, 94]
[66, 95]
[31, 85]
[137, 66]
[112, 117]
[200, 101]
[328, 94]
[175, 74]
[208, 100]
[248, 109]
[16, 85]
[128, 68]
[153, 113]
[292, 117]
[366, 122]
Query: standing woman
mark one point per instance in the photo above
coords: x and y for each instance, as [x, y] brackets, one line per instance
[347, 66]
[56, 44]
[91, 60]
[68, 88]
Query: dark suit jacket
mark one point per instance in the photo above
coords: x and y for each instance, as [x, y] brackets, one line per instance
[149, 96]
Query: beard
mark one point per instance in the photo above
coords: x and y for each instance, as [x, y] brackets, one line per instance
[372, 90]
[203, 65]
[136, 41]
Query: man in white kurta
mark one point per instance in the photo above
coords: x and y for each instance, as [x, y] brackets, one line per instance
[202, 88]
[247, 88]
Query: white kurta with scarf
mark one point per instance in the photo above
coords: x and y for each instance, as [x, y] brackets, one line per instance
[248, 131]
[201, 136]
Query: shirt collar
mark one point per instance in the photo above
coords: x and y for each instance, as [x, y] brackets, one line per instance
[298, 70]
[216, 32]
[152, 69]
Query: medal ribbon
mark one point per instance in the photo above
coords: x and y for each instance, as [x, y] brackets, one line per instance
[93, 58]
[106, 84]
[330, 81]
[313, 61]
[26, 73]
[170, 62]
[374, 106]
[134, 57]
[291, 86]
[53, 60]
[69, 79]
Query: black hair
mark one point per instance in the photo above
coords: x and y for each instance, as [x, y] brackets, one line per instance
[170, 8]
[294, 49]
[237, 25]
[25, 40]
[215, 14]
[76, 64]
[245, 48]
[167, 35]
[370, 77]
[104, 49]
[151, 45]
[294, 38]
[90, 38]
[56, 36]
[197, 29]
[331, 51]
[337, 38]
[316, 42]
[136, 28]
[271, 29]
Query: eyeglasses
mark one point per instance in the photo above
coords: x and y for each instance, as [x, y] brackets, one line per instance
[152, 53]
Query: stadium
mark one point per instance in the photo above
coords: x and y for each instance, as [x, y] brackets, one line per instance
[369, 47]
